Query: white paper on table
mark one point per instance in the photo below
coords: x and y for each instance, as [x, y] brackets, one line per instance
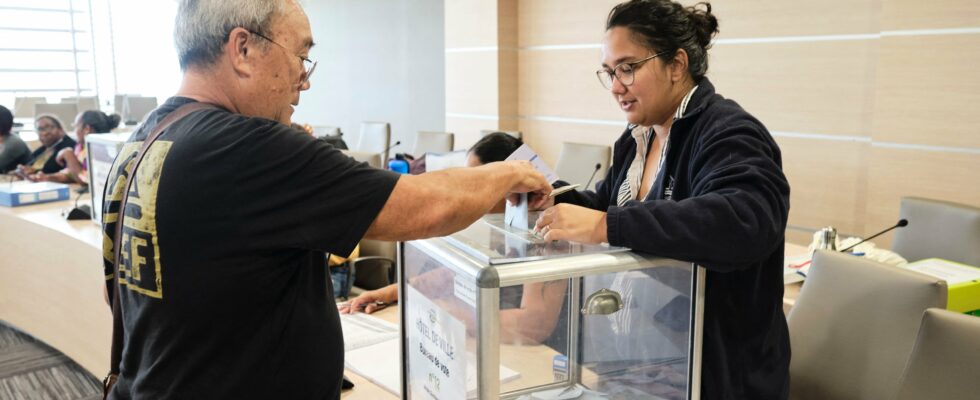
[377, 363]
[362, 330]
[526, 154]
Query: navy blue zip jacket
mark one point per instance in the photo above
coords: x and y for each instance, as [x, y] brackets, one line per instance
[721, 201]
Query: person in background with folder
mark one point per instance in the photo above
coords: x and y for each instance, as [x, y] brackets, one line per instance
[53, 139]
[695, 178]
[221, 265]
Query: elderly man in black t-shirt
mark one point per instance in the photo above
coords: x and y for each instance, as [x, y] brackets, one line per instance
[222, 274]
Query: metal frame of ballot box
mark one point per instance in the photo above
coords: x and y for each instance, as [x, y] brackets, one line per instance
[489, 272]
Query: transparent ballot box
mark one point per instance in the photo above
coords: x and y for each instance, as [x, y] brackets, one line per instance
[495, 312]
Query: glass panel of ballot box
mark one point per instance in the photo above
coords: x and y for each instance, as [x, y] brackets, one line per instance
[496, 312]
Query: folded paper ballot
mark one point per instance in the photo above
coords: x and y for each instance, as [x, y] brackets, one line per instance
[23, 193]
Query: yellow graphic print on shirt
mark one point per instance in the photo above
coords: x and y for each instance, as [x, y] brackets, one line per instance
[140, 269]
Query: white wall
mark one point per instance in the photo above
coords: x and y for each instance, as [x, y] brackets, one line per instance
[379, 60]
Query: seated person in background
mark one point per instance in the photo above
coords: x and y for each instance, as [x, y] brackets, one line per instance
[73, 159]
[537, 315]
[53, 140]
[13, 150]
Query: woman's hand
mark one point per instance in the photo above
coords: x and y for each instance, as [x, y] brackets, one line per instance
[370, 301]
[573, 223]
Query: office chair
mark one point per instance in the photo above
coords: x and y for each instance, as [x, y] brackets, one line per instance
[939, 229]
[576, 162]
[24, 106]
[945, 360]
[853, 326]
[433, 142]
[66, 112]
[374, 268]
[375, 138]
[84, 103]
[517, 134]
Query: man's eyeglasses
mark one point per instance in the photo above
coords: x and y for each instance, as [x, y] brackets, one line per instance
[624, 72]
[308, 65]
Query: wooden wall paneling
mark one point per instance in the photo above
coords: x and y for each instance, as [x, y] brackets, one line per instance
[546, 137]
[769, 18]
[814, 87]
[472, 82]
[896, 173]
[562, 83]
[562, 22]
[915, 14]
[467, 130]
[508, 78]
[928, 90]
[828, 183]
[470, 23]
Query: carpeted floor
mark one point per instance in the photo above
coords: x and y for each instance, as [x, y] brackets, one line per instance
[32, 370]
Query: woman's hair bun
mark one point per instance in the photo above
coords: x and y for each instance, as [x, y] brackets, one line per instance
[704, 22]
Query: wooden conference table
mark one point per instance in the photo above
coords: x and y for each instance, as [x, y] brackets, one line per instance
[51, 287]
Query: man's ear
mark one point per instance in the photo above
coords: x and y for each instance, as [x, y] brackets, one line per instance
[240, 49]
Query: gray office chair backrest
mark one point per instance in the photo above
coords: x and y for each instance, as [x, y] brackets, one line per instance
[938, 229]
[433, 142]
[66, 112]
[373, 159]
[577, 161]
[853, 326]
[84, 103]
[375, 138]
[945, 361]
[517, 134]
[135, 108]
[24, 106]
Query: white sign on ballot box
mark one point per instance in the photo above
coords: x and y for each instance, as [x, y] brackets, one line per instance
[437, 350]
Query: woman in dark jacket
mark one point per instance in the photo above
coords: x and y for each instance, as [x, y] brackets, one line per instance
[706, 186]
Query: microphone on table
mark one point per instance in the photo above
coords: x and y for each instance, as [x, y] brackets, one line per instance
[598, 166]
[901, 223]
[391, 147]
[80, 212]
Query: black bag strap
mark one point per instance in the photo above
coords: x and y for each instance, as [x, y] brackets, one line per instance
[117, 327]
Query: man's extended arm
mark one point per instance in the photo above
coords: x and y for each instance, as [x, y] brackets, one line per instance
[441, 202]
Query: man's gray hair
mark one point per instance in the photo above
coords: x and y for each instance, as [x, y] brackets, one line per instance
[202, 26]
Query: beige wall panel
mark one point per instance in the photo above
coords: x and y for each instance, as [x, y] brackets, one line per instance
[467, 130]
[470, 23]
[546, 137]
[507, 78]
[827, 183]
[896, 173]
[813, 87]
[767, 18]
[471, 82]
[917, 14]
[507, 24]
[563, 83]
[925, 95]
[555, 22]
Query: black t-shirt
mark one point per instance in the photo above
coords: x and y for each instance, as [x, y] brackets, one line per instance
[224, 284]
